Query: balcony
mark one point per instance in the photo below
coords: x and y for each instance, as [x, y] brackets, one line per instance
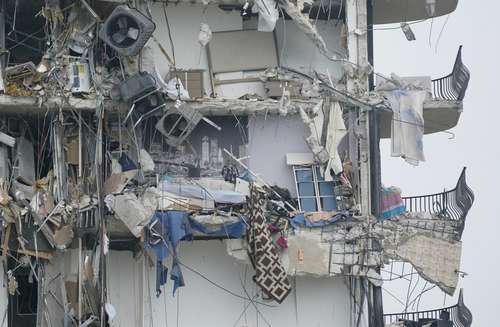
[442, 111]
[396, 11]
[448, 205]
[457, 315]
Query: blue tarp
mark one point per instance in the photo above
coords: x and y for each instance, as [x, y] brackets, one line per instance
[300, 220]
[234, 230]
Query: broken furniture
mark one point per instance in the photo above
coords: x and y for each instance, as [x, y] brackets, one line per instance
[177, 123]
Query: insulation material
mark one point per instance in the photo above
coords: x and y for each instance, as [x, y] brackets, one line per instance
[147, 163]
[335, 133]
[131, 211]
[314, 139]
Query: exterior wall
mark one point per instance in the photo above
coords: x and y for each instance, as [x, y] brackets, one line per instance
[313, 301]
[270, 139]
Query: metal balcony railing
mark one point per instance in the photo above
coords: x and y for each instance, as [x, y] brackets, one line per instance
[451, 205]
[457, 315]
[453, 86]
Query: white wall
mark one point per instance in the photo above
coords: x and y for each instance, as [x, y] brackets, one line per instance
[295, 49]
[313, 302]
[185, 20]
[270, 139]
[298, 51]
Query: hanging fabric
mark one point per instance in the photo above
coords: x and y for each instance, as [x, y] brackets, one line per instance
[269, 273]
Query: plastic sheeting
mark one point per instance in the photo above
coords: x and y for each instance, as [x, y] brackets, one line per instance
[407, 124]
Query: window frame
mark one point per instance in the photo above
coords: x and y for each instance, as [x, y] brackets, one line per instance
[316, 184]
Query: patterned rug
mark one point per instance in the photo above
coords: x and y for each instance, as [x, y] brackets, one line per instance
[269, 273]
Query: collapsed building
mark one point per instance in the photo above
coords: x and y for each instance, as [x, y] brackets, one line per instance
[216, 162]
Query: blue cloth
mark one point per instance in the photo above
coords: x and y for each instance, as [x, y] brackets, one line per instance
[392, 204]
[300, 220]
[166, 230]
[235, 230]
[247, 176]
[126, 163]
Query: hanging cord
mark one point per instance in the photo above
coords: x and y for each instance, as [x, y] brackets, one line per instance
[196, 272]
[441, 32]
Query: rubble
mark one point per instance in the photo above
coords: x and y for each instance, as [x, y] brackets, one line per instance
[113, 138]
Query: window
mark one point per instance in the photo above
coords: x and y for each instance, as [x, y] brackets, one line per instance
[314, 193]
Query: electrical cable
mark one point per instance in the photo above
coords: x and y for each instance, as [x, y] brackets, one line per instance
[393, 296]
[441, 32]
[253, 303]
[169, 33]
[196, 272]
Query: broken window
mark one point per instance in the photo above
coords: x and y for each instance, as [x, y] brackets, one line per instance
[313, 192]
[24, 301]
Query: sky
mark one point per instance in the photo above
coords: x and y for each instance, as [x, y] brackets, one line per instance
[475, 25]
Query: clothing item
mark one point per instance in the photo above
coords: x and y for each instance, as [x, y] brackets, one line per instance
[164, 232]
[407, 124]
[392, 204]
[269, 273]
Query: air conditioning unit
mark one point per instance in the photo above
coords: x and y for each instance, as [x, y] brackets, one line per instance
[134, 87]
[127, 30]
[178, 123]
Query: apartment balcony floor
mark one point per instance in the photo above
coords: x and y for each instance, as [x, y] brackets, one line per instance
[396, 11]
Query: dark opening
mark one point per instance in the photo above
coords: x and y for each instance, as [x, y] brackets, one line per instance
[24, 303]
